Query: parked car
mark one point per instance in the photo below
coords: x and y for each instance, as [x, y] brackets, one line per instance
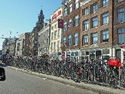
[2, 74]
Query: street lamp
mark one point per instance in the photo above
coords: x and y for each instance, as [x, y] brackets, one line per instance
[63, 6]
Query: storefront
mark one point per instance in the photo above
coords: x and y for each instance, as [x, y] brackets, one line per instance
[104, 53]
[73, 54]
[96, 54]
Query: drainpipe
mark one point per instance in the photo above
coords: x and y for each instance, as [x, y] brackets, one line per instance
[113, 6]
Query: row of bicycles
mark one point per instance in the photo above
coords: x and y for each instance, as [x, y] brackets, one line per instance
[90, 71]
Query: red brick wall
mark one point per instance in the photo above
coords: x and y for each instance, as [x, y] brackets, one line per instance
[73, 29]
[116, 24]
[100, 28]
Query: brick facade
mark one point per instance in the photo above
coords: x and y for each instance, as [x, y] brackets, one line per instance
[99, 27]
[116, 24]
[73, 50]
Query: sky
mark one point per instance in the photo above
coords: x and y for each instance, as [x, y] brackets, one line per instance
[21, 15]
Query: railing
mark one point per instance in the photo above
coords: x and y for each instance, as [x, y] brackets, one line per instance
[95, 72]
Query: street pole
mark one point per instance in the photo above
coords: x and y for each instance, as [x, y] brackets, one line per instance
[63, 7]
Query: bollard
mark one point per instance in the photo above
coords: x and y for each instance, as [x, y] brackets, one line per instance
[119, 76]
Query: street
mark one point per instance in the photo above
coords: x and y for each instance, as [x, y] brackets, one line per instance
[21, 83]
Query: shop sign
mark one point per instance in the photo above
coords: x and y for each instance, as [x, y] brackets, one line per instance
[60, 23]
[56, 15]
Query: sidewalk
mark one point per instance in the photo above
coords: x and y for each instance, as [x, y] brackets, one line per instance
[90, 87]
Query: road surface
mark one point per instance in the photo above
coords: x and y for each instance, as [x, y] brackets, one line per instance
[21, 83]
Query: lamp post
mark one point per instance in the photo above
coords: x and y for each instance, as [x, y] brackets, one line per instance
[62, 35]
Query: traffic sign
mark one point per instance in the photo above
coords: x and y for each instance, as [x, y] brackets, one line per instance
[63, 53]
[63, 48]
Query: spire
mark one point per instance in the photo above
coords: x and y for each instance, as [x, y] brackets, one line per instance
[41, 16]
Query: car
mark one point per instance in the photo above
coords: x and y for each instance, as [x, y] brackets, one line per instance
[2, 74]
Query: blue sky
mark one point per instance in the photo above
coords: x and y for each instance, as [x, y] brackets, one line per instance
[21, 15]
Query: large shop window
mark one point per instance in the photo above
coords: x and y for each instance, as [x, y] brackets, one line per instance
[105, 51]
[68, 53]
[92, 55]
[118, 54]
[87, 52]
[83, 53]
[98, 54]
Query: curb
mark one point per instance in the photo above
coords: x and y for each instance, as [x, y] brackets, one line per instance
[82, 85]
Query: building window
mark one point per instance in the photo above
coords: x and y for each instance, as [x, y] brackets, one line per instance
[58, 33]
[54, 46]
[69, 23]
[64, 39]
[69, 40]
[94, 22]
[85, 25]
[76, 20]
[105, 18]
[121, 35]
[105, 36]
[94, 38]
[85, 40]
[94, 8]
[76, 4]
[121, 14]
[55, 34]
[76, 38]
[120, 0]
[70, 9]
[65, 26]
[68, 0]
[104, 3]
[65, 11]
[52, 36]
[85, 11]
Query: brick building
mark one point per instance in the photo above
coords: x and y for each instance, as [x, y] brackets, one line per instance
[71, 27]
[98, 28]
[119, 29]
